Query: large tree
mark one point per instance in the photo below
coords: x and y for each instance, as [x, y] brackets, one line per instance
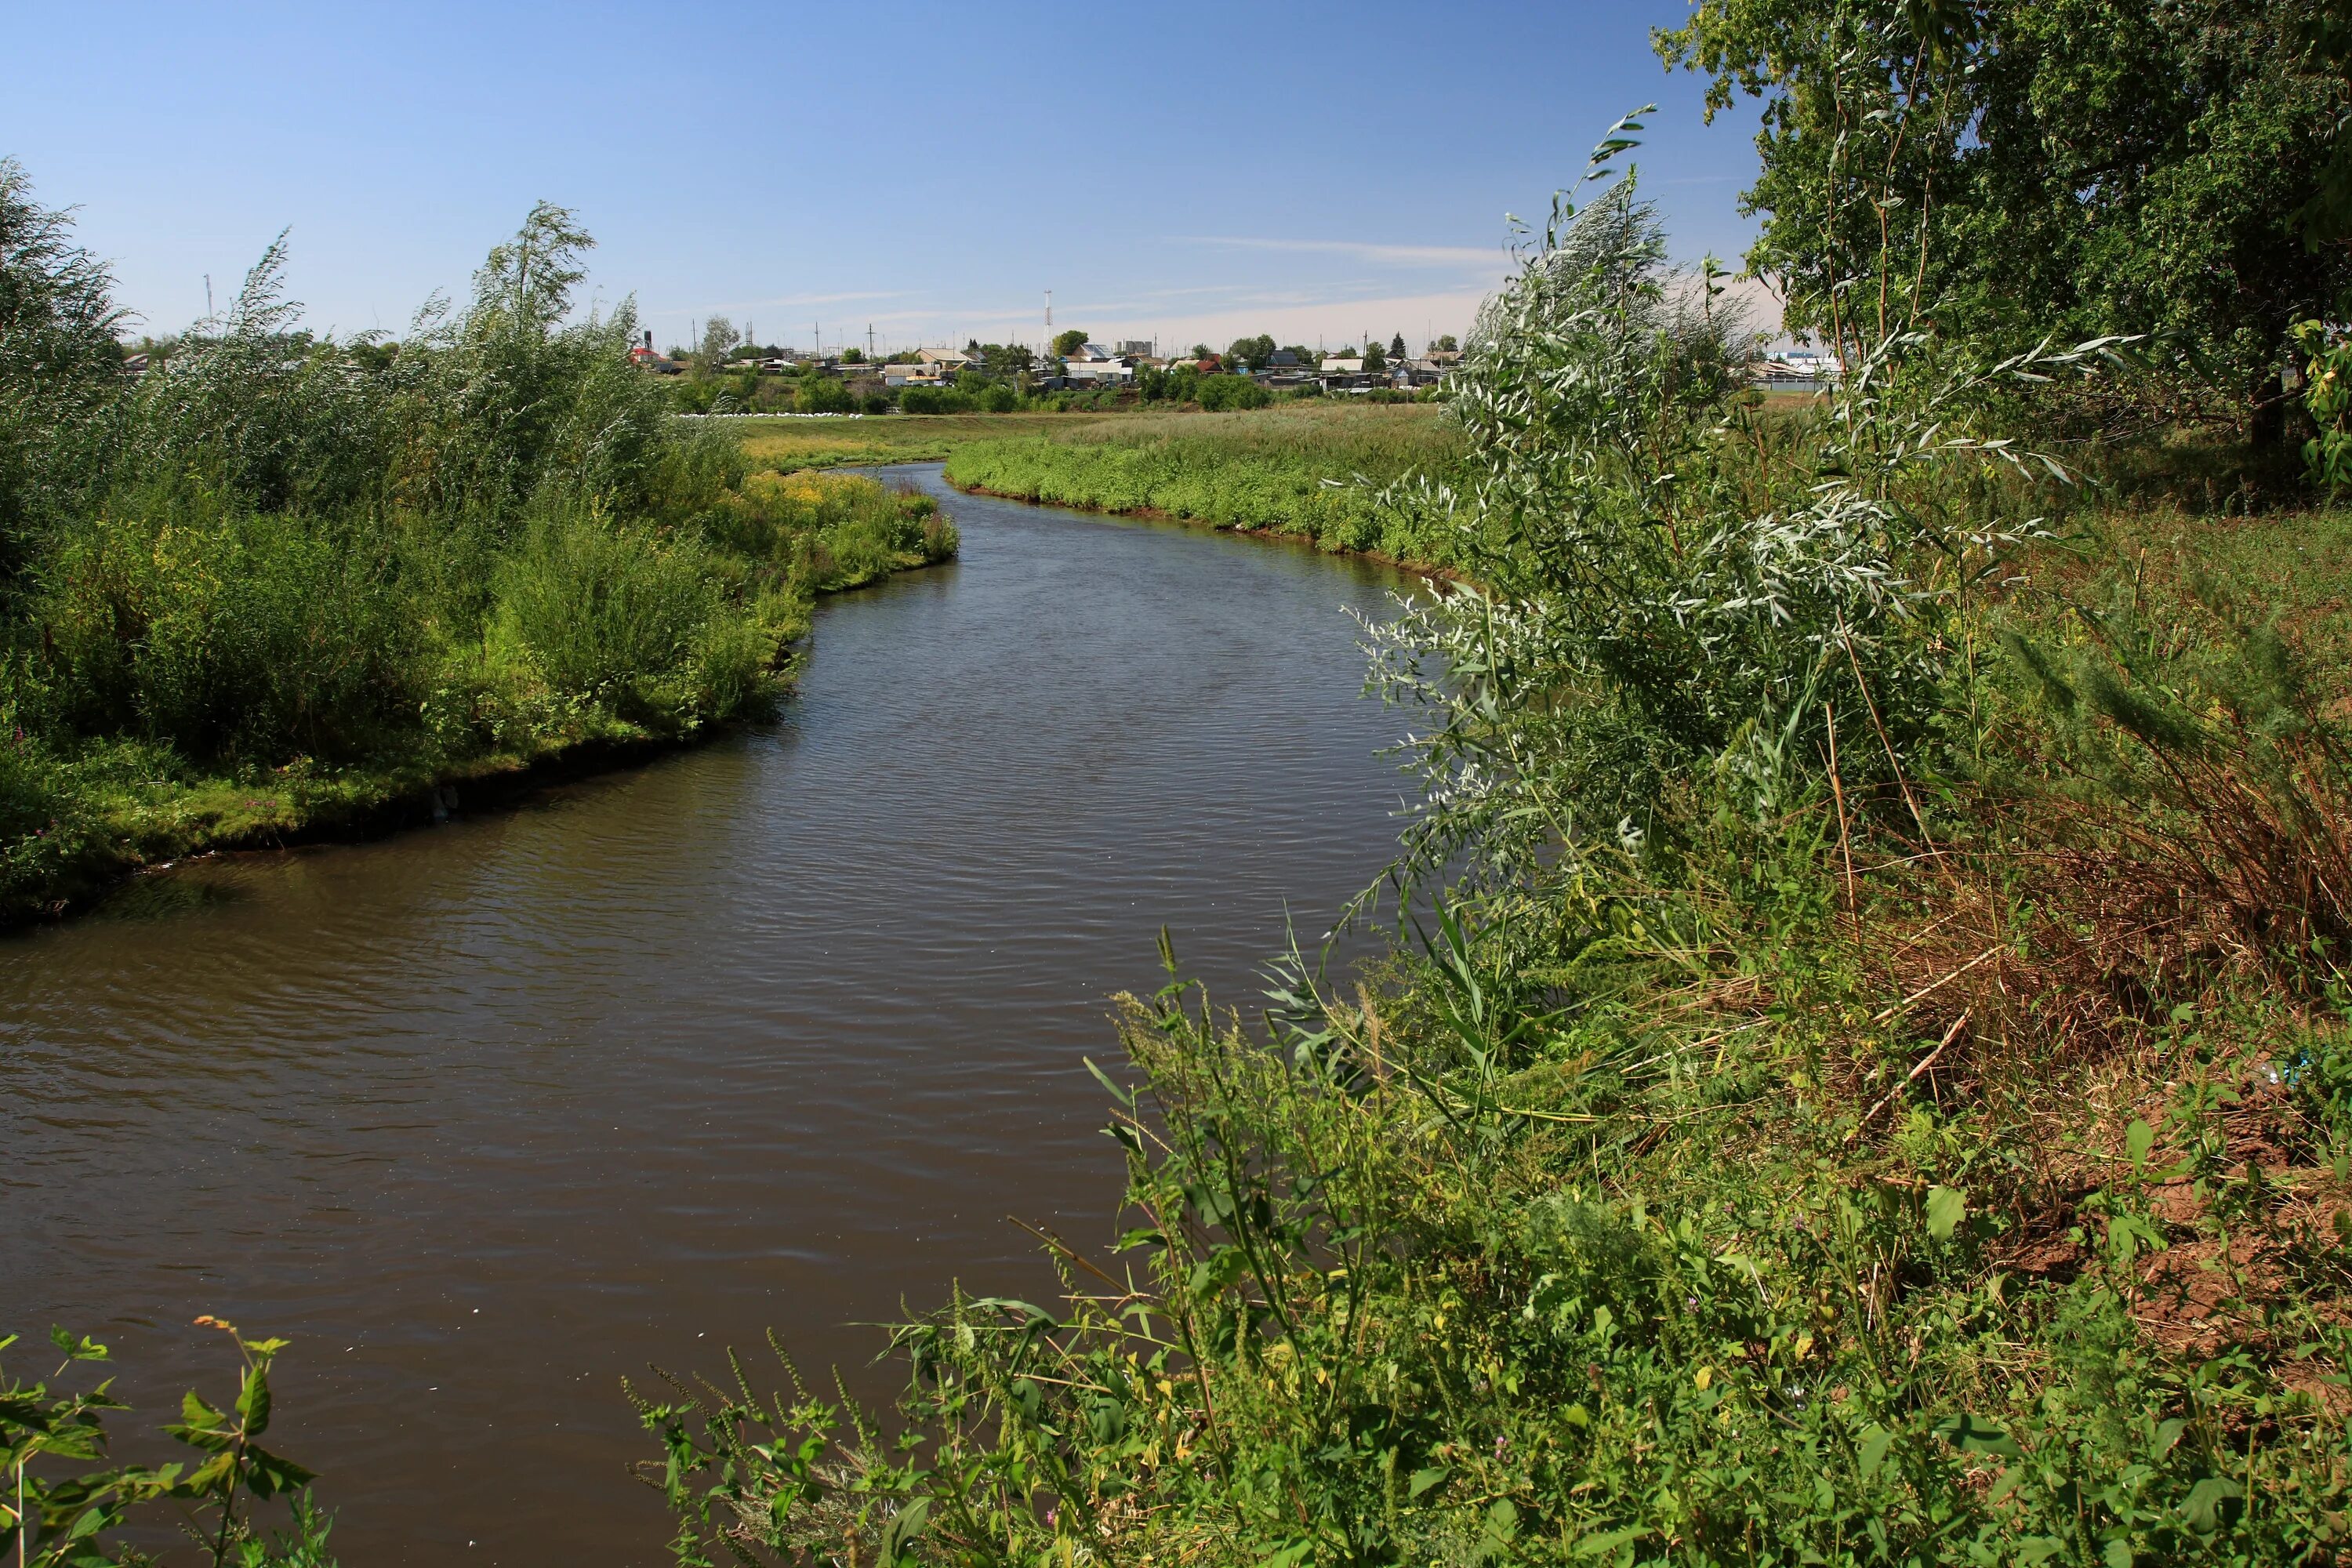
[1251, 352]
[2005, 168]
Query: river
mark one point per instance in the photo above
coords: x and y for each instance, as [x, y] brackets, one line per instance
[774, 1032]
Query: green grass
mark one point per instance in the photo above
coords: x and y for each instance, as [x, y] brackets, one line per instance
[1311, 469]
[216, 688]
[789, 443]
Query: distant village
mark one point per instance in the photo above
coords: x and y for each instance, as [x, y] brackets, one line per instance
[1097, 366]
[1090, 366]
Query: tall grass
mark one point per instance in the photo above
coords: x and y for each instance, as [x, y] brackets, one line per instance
[310, 576]
[1313, 470]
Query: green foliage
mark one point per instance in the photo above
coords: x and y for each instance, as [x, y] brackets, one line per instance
[1251, 352]
[1308, 471]
[68, 1503]
[1225, 393]
[61, 373]
[937, 400]
[822, 394]
[228, 635]
[1840, 1093]
[1068, 343]
[636, 626]
[301, 577]
[2327, 398]
[2077, 167]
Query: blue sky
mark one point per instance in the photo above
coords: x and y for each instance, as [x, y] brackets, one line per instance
[1182, 172]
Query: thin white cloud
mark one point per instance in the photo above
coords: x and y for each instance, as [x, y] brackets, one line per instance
[782, 301]
[1364, 250]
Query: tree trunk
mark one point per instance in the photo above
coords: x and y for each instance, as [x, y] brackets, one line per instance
[2266, 426]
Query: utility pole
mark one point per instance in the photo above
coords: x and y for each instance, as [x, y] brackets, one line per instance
[208, 296]
[869, 340]
[1048, 345]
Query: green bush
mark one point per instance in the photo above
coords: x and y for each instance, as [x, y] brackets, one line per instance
[935, 400]
[1220, 393]
[822, 394]
[638, 627]
[231, 637]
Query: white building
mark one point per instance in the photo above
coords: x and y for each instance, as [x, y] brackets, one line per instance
[1093, 362]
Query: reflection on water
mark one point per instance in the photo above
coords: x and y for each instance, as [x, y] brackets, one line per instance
[777, 1031]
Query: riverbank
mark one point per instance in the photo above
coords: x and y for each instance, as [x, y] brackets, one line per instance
[1305, 470]
[1867, 1074]
[877, 441]
[109, 809]
[853, 956]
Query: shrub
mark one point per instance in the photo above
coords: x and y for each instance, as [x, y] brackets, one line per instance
[232, 636]
[822, 394]
[935, 400]
[638, 627]
[1218, 394]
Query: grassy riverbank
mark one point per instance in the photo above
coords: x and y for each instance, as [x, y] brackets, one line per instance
[1870, 1079]
[591, 642]
[1312, 470]
[283, 586]
[789, 443]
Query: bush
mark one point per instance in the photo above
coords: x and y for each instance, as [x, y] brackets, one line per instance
[822, 394]
[1218, 394]
[935, 400]
[233, 637]
[639, 627]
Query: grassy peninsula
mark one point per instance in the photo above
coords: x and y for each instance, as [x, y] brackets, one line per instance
[1311, 469]
[792, 444]
[281, 583]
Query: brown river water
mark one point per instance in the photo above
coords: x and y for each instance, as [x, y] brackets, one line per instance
[771, 1033]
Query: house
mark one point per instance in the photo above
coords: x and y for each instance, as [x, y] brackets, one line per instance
[913, 375]
[643, 357]
[1283, 371]
[947, 360]
[1334, 365]
[1794, 370]
[1094, 363]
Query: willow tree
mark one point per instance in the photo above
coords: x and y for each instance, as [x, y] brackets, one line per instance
[61, 366]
